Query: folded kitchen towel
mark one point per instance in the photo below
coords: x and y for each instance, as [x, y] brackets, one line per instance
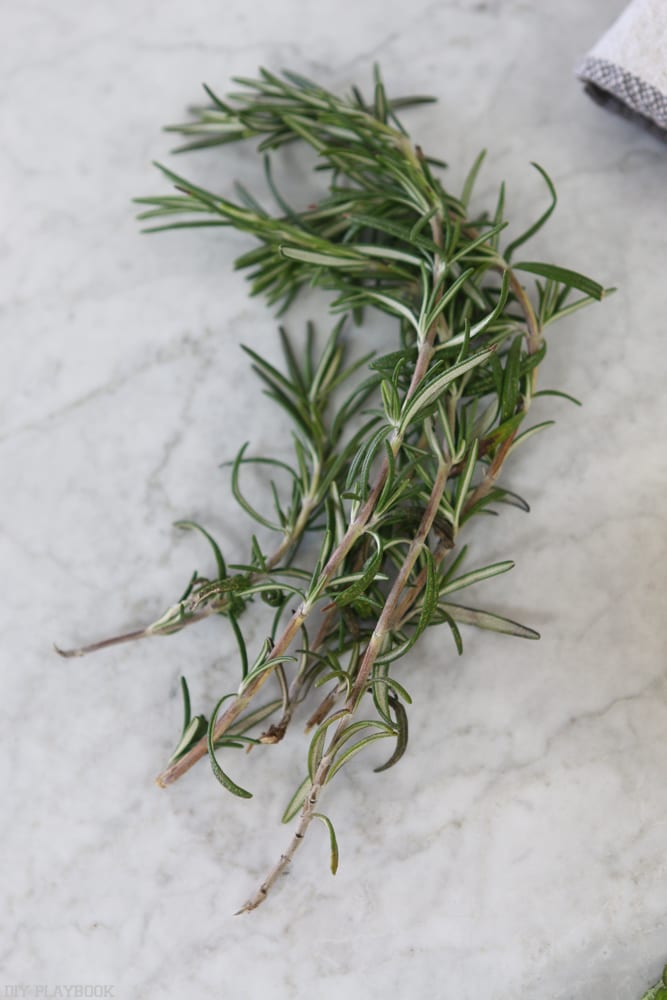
[628, 66]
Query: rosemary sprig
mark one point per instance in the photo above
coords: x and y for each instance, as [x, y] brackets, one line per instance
[392, 456]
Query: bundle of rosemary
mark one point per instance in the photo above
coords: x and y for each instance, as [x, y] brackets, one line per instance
[393, 456]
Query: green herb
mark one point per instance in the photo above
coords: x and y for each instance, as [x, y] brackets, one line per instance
[393, 456]
[659, 991]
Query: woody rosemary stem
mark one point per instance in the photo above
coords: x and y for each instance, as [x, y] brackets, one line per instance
[290, 540]
[372, 652]
[229, 717]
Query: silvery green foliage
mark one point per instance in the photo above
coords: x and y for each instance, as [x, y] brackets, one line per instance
[393, 456]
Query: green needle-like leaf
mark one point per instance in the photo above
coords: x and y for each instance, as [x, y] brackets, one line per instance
[332, 840]
[520, 240]
[296, 802]
[562, 274]
[219, 560]
[223, 778]
[487, 620]
[426, 397]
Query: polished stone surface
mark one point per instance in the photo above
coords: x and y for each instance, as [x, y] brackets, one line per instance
[518, 851]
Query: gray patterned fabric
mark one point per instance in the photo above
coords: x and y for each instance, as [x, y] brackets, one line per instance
[636, 94]
[627, 68]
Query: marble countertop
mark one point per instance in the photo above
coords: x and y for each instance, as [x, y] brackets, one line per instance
[518, 851]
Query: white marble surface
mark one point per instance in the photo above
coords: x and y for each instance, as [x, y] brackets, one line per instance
[519, 850]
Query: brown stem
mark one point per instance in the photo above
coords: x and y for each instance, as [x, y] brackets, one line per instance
[385, 621]
[293, 537]
[331, 613]
[325, 706]
[305, 820]
[534, 339]
[383, 627]
[213, 608]
[200, 749]
[277, 730]
[491, 473]
[115, 640]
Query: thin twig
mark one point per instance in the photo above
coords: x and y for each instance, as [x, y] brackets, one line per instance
[373, 650]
